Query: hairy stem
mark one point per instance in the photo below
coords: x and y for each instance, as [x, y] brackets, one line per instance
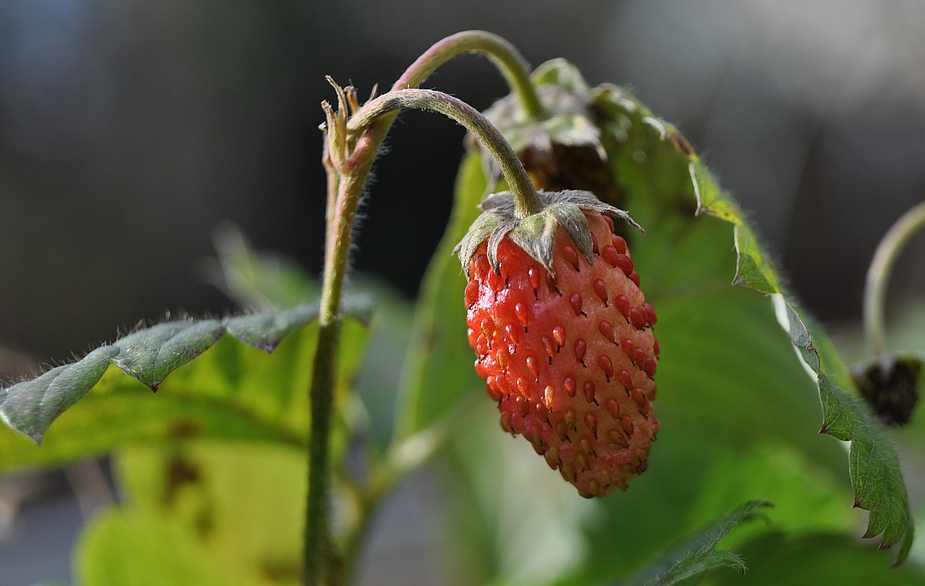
[347, 176]
[511, 63]
[348, 158]
[878, 275]
[318, 548]
[525, 198]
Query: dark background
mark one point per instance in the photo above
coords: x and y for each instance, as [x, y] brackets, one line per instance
[130, 128]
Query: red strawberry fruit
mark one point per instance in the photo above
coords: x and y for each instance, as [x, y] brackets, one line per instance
[563, 335]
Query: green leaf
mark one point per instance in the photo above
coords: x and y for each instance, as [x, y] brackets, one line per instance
[31, 406]
[438, 356]
[690, 571]
[697, 554]
[740, 378]
[730, 432]
[256, 280]
[214, 379]
[873, 463]
[752, 267]
[775, 558]
[151, 354]
[266, 331]
[198, 514]
[807, 497]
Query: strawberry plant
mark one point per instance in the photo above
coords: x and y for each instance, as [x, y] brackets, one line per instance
[260, 458]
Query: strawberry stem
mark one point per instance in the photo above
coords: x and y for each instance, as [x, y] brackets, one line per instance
[349, 152]
[508, 60]
[526, 201]
[878, 275]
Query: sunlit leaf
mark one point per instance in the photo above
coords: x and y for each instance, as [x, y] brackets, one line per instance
[873, 463]
[151, 354]
[31, 406]
[213, 379]
[198, 514]
[737, 368]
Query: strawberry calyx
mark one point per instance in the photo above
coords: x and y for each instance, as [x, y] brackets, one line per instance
[536, 233]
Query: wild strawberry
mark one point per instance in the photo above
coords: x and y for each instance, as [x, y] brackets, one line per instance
[563, 335]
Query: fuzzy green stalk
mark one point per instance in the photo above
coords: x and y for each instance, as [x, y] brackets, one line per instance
[525, 199]
[319, 551]
[349, 154]
[346, 179]
[508, 60]
[347, 172]
[878, 275]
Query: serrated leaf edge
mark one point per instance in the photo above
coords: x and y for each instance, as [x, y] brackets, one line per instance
[359, 308]
[836, 403]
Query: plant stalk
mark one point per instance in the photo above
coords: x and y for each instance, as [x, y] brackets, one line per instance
[348, 158]
[349, 174]
[318, 548]
[878, 275]
[505, 56]
[525, 198]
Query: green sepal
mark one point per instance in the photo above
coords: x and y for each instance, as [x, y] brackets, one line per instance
[563, 149]
[565, 96]
[562, 74]
[536, 233]
[494, 240]
[480, 231]
[575, 224]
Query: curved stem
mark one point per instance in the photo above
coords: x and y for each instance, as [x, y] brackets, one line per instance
[347, 163]
[511, 63]
[525, 198]
[348, 174]
[878, 275]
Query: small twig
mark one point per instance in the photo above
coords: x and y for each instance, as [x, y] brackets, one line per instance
[878, 275]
